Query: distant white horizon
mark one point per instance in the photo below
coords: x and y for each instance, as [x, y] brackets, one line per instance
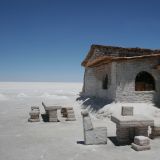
[61, 91]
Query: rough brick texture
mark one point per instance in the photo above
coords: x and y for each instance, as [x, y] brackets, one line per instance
[121, 81]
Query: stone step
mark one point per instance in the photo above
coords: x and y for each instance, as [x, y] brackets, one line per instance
[140, 148]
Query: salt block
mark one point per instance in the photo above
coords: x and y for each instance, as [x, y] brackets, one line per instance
[155, 132]
[141, 131]
[72, 116]
[87, 124]
[96, 136]
[53, 119]
[140, 148]
[127, 111]
[101, 135]
[70, 111]
[93, 136]
[89, 137]
[34, 112]
[53, 113]
[141, 140]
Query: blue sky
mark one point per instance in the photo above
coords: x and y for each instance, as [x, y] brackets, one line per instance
[46, 40]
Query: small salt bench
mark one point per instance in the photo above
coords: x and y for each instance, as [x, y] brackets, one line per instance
[64, 112]
[92, 135]
[141, 143]
[68, 112]
[35, 108]
[155, 129]
[34, 116]
[51, 112]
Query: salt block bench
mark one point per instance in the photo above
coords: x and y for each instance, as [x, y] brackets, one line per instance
[141, 143]
[34, 114]
[155, 129]
[64, 112]
[93, 135]
[127, 127]
[51, 112]
[68, 112]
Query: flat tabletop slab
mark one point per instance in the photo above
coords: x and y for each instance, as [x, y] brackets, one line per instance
[132, 121]
[49, 108]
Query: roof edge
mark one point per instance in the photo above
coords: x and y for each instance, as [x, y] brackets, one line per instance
[96, 46]
[108, 59]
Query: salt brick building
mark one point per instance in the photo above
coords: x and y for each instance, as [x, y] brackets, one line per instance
[122, 74]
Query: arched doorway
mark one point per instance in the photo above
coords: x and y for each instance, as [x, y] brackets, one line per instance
[144, 82]
[105, 82]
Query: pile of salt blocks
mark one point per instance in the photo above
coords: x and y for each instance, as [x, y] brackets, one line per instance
[34, 114]
[141, 143]
[70, 114]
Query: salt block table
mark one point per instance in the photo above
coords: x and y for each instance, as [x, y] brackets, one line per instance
[127, 127]
[51, 111]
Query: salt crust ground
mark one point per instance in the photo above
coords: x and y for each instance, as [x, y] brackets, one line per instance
[20, 140]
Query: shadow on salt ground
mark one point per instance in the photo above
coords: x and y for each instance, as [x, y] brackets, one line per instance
[80, 142]
[112, 139]
[93, 103]
[115, 142]
[45, 117]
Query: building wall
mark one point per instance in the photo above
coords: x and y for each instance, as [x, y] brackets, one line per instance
[121, 85]
[93, 81]
[126, 75]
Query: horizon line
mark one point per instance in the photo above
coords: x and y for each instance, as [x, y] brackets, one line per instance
[40, 82]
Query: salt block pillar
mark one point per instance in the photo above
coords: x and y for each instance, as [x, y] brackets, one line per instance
[70, 114]
[53, 116]
[87, 128]
[123, 134]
